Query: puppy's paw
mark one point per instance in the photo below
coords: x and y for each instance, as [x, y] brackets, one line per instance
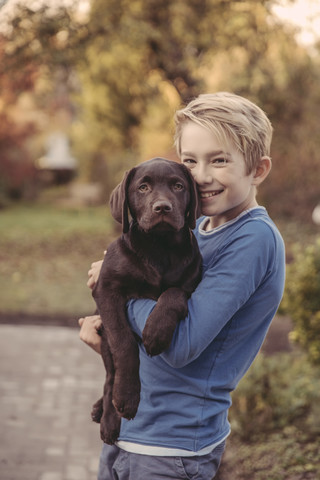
[110, 428]
[97, 411]
[126, 398]
[156, 340]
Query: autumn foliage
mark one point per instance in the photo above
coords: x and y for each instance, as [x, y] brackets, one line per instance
[123, 67]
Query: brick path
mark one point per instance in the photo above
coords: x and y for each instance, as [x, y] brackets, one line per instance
[49, 380]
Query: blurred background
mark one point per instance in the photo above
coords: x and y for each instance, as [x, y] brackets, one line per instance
[88, 89]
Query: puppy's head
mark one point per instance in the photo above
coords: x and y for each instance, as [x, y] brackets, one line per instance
[158, 193]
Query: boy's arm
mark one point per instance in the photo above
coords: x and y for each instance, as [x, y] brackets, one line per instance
[225, 288]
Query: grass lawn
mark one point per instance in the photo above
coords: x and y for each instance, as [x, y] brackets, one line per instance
[45, 253]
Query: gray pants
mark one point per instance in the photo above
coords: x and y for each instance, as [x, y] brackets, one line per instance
[116, 464]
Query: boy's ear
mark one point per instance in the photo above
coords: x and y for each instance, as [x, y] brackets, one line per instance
[262, 170]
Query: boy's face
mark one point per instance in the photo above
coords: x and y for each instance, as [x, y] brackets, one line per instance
[219, 169]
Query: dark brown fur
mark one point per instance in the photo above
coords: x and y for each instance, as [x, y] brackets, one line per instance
[156, 257]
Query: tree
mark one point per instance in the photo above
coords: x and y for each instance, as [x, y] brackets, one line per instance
[288, 91]
[16, 168]
[135, 42]
[129, 64]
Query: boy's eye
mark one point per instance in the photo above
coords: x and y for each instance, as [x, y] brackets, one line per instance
[188, 161]
[219, 161]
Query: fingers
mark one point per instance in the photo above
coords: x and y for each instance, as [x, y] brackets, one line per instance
[94, 273]
[89, 331]
[91, 326]
[91, 281]
[80, 321]
[91, 321]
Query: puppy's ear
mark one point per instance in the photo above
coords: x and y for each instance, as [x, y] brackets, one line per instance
[194, 211]
[119, 204]
[116, 200]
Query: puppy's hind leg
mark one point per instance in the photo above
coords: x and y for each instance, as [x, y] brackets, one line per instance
[97, 410]
[103, 411]
[110, 421]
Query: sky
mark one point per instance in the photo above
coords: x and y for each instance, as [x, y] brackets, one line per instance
[6, 5]
[303, 14]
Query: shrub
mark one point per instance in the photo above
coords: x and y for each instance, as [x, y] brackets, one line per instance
[302, 298]
[278, 391]
[286, 455]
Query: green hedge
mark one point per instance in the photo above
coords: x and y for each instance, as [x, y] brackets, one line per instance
[278, 391]
[302, 298]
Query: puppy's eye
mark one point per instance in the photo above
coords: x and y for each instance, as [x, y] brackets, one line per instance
[143, 187]
[178, 186]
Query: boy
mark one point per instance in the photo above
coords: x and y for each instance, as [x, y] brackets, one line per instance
[181, 425]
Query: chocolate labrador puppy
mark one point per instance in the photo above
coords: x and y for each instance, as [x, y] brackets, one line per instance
[156, 257]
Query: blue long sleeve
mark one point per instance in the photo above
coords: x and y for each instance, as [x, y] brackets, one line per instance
[232, 276]
[185, 391]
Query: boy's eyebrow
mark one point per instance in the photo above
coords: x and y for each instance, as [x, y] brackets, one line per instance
[214, 153]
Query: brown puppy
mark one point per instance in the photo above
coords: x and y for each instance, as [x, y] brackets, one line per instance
[156, 257]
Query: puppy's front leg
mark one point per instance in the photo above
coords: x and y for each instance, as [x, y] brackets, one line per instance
[171, 307]
[125, 353]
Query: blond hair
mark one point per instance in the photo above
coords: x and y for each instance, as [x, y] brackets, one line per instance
[230, 117]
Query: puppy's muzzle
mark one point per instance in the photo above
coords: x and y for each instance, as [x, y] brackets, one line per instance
[162, 207]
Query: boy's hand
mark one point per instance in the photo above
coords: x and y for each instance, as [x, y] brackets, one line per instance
[89, 332]
[90, 326]
[94, 272]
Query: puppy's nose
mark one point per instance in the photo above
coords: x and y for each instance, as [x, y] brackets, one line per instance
[162, 207]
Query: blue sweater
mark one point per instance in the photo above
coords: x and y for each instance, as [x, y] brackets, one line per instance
[185, 392]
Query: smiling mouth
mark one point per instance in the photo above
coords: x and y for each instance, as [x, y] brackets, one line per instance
[210, 194]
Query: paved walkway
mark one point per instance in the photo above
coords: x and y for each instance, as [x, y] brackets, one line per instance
[49, 380]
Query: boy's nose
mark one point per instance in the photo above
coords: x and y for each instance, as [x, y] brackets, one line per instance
[202, 175]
